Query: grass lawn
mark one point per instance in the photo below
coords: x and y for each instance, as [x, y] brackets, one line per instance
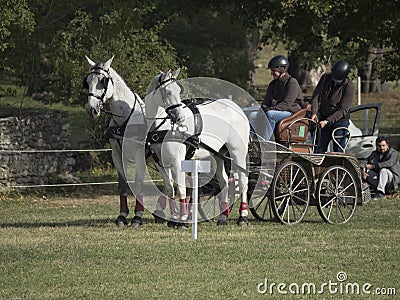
[69, 248]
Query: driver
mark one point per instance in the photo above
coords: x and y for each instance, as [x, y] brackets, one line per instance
[282, 93]
[332, 100]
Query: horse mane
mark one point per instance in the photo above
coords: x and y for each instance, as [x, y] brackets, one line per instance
[152, 86]
[123, 86]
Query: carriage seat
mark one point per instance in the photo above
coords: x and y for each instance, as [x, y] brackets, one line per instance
[294, 129]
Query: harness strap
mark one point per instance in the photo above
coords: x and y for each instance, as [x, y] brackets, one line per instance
[168, 109]
[223, 157]
[112, 131]
[193, 141]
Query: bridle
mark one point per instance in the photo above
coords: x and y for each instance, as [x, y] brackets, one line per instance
[160, 84]
[106, 78]
[99, 70]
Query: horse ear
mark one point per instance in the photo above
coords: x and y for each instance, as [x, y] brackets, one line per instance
[91, 63]
[107, 64]
[176, 73]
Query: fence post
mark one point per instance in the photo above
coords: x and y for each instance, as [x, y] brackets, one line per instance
[195, 167]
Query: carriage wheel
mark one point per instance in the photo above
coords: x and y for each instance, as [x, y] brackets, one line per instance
[259, 202]
[337, 195]
[290, 193]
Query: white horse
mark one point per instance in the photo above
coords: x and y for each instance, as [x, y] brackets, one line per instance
[225, 126]
[105, 85]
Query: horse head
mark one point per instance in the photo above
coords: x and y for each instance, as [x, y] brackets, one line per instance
[164, 92]
[100, 86]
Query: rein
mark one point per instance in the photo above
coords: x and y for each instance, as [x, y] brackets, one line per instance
[106, 74]
[120, 130]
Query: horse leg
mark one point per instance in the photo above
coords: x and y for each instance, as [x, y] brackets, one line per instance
[168, 194]
[176, 158]
[223, 195]
[138, 187]
[181, 196]
[123, 187]
[243, 209]
[123, 201]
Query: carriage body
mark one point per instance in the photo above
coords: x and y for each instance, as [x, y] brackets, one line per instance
[330, 181]
[286, 177]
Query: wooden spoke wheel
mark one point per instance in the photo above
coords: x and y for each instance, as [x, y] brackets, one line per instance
[290, 193]
[336, 195]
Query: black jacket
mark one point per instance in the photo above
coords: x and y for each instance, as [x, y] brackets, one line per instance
[332, 102]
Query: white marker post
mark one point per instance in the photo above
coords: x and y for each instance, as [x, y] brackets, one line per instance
[195, 167]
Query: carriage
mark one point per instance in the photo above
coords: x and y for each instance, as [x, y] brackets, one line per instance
[281, 178]
[286, 176]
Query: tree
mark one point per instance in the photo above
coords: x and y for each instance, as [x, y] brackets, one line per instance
[16, 24]
[318, 32]
[139, 53]
[51, 58]
[370, 29]
[211, 45]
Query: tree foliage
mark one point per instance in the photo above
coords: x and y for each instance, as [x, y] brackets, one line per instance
[319, 32]
[17, 23]
[211, 44]
[139, 53]
[43, 42]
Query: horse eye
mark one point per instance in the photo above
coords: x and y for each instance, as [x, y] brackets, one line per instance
[104, 81]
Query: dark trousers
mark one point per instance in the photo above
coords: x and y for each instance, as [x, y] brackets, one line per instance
[326, 136]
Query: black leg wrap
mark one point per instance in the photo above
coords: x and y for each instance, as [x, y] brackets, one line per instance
[121, 221]
[172, 224]
[182, 225]
[159, 217]
[242, 221]
[222, 223]
[136, 221]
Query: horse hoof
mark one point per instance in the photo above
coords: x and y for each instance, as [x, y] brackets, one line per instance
[243, 221]
[159, 217]
[136, 222]
[222, 223]
[121, 221]
[183, 226]
[172, 224]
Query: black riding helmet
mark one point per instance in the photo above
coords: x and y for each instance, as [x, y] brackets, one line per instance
[340, 70]
[278, 61]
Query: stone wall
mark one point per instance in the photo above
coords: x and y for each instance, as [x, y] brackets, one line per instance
[39, 131]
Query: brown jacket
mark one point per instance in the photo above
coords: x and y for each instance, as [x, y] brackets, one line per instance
[332, 102]
[282, 94]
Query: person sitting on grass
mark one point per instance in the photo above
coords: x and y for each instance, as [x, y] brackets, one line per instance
[382, 168]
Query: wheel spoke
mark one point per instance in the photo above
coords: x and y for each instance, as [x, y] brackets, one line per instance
[282, 196]
[260, 204]
[301, 199]
[290, 193]
[329, 202]
[337, 195]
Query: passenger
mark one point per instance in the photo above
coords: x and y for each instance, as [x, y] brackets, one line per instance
[382, 168]
[332, 100]
[282, 92]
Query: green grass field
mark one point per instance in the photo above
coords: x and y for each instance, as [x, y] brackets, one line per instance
[65, 245]
[69, 248]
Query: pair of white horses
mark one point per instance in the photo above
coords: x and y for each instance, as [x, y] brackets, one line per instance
[225, 126]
